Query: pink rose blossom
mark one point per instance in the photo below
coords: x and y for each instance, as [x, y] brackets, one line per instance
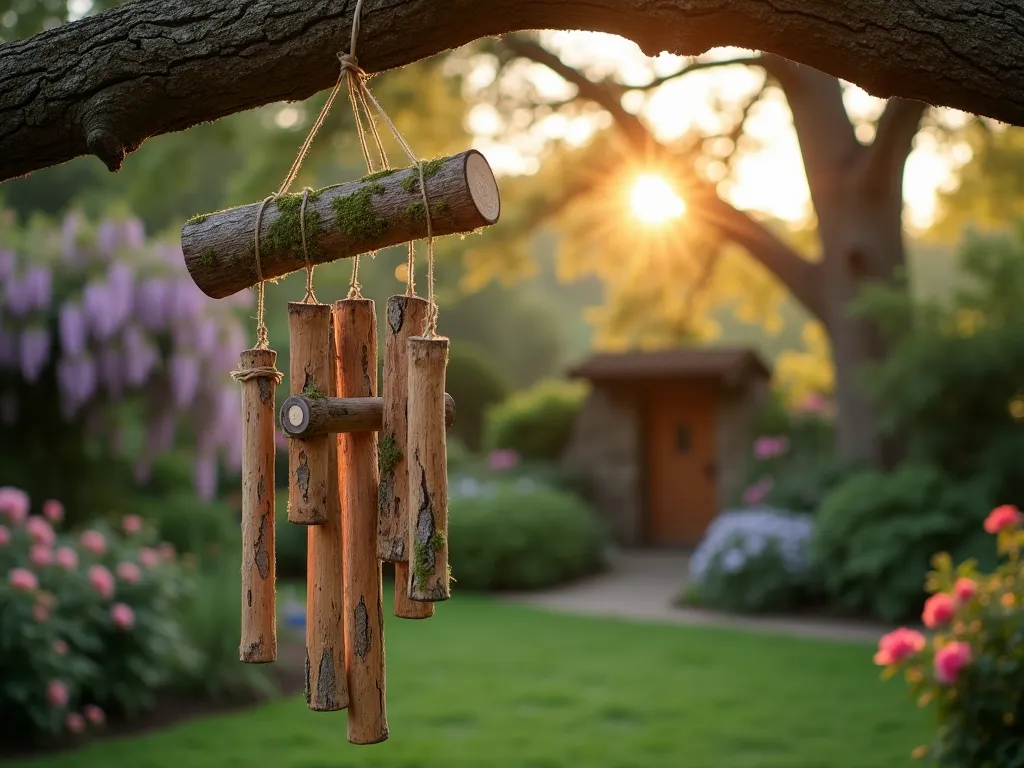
[938, 610]
[897, 645]
[770, 447]
[814, 403]
[23, 579]
[57, 693]
[41, 554]
[94, 714]
[964, 589]
[1001, 518]
[149, 557]
[129, 572]
[94, 542]
[949, 660]
[758, 492]
[75, 722]
[5, 535]
[60, 647]
[53, 510]
[131, 523]
[14, 504]
[66, 558]
[40, 530]
[40, 612]
[502, 459]
[123, 616]
[102, 581]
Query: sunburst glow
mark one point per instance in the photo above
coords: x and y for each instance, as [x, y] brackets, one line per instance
[654, 201]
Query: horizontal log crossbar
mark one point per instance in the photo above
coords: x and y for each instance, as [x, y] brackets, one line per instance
[304, 417]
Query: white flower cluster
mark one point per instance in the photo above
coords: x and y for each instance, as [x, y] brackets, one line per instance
[738, 536]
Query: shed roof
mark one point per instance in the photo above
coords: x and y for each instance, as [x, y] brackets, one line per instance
[729, 365]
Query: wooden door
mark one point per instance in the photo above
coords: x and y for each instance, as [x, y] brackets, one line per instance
[680, 457]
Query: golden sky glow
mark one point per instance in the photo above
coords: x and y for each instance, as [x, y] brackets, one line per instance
[654, 201]
[768, 174]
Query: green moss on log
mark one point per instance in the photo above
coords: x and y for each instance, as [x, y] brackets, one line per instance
[285, 234]
[430, 168]
[437, 210]
[312, 392]
[199, 218]
[382, 174]
[388, 454]
[354, 214]
[208, 255]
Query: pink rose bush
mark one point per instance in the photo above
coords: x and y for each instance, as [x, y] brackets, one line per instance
[88, 619]
[970, 665]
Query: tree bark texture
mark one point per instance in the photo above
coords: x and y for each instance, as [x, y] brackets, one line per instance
[406, 317]
[309, 329]
[104, 84]
[326, 677]
[305, 417]
[355, 335]
[382, 209]
[428, 471]
[259, 604]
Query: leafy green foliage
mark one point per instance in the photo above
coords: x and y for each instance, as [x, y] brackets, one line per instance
[511, 537]
[289, 540]
[876, 532]
[474, 381]
[536, 423]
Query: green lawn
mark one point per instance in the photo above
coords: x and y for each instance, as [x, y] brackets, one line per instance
[486, 684]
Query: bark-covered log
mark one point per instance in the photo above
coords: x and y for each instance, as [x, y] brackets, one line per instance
[304, 416]
[259, 605]
[309, 328]
[406, 317]
[355, 337]
[106, 83]
[382, 209]
[428, 471]
[326, 676]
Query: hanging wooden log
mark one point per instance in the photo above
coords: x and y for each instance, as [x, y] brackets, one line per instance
[326, 677]
[310, 371]
[304, 417]
[259, 605]
[355, 334]
[428, 471]
[382, 209]
[407, 317]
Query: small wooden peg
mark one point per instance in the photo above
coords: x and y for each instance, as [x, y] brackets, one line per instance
[355, 334]
[310, 369]
[326, 678]
[259, 604]
[406, 317]
[428, 471]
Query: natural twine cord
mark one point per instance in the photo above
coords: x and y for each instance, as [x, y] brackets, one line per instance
[361, 98]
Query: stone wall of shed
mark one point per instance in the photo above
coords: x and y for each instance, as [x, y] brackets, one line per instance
[605, 449]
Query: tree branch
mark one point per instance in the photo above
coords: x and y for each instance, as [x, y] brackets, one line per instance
[894, 138]
[104, 84]
[696, 66]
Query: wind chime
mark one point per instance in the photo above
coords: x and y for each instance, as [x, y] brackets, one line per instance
[367, 474]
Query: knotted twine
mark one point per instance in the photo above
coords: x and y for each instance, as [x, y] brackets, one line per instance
[360, 97]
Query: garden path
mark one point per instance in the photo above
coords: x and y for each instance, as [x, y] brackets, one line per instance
[644, 585]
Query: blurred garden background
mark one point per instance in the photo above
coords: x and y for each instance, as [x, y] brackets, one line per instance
[846, 274]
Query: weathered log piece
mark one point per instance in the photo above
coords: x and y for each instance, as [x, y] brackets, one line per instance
[305, 417]
[428, 472]
[259, 605]
[406, 317]
[309, 326]
[355, 333]
[382, 209]
[326, 678]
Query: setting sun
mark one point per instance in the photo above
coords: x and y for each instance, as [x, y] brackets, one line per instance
[654, 201]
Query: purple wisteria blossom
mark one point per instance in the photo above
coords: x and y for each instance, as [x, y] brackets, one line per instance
[33, 352]
[72, 329]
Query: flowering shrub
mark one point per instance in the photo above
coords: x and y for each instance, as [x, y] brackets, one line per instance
[95, 318]
[971, 667]
[753, 560]
[536, 423]
[87, 623]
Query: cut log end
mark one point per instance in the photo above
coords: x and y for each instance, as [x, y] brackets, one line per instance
[404, 607]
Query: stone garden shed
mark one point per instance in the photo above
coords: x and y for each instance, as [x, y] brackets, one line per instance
[664, 437]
